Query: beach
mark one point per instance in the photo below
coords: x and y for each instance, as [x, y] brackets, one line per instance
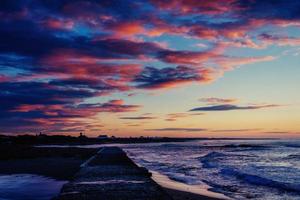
[182, 195]
[180, 190]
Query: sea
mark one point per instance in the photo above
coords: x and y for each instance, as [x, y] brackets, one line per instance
[237, 169]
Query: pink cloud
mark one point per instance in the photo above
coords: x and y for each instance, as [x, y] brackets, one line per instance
[193, 6]
[192, 57]
[54, 23]
[127, 28]
[268, 39]
[229, 63]
[91, 69]
[4, 78]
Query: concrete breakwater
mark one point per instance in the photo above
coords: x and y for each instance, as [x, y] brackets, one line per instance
[112, 175]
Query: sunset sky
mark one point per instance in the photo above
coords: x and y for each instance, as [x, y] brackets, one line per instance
[182, 68]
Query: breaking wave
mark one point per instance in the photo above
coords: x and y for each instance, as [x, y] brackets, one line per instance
[257, 180]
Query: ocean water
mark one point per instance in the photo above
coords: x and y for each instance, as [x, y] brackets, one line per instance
[28, 187]
[239, 169]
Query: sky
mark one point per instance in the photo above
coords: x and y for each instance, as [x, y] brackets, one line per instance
[176, 68]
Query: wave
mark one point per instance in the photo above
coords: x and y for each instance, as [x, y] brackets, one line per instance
[293, 145]
[261, 181]
[245, 146]
[212, 159]
[295, 157]
[168, 145]
[209, 160]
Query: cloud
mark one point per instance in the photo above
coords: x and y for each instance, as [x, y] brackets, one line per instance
[125, 29]
[283, 132]
[268, 39]
[153, 78]
[4, 78]
[214, 100]
[178, 129]
[144, 116]
[58, 23]
[175, 116]
[110, 106]
[284, 10]
[67, 52]
[137, 118]
[194, 7]
[50, 106]
[229, 63]
[228, 107]
[188, 57]
[279, 132]
[134, 125]
[236, 130]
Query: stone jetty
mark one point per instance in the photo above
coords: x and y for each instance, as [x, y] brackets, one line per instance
[112, 175]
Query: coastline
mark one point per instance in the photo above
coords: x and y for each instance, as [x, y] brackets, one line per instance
[63, 163]
[180, 191]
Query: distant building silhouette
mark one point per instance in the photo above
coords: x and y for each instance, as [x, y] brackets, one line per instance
[102, 137]
[41, 135]
[81, 136]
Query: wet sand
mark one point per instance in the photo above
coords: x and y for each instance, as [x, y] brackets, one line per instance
[181, 195]
[181, 191]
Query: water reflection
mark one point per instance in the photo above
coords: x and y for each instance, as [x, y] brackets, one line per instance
[28, 187]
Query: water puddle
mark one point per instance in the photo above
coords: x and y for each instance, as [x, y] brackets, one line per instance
[28, 187]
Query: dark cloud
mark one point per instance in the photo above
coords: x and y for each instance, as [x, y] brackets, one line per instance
[23, 37]
[183, 7]
[31, 93]
[269, 9]
[111, 106]
[228, 107]
[25, 105]
[153, 78]
[28, 39]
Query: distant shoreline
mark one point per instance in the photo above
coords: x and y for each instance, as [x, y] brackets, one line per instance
[83, 140]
